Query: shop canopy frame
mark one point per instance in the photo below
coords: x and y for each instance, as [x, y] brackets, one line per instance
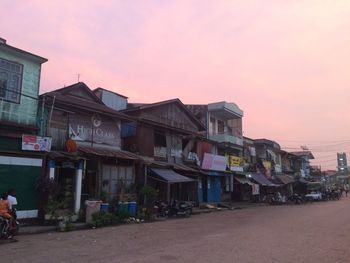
[243, 180]
[169, 177]
[261, 179]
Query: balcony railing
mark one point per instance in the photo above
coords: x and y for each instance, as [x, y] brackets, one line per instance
[225, 137]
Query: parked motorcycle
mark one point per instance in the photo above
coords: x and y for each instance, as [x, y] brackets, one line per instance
[15, 221]
[9, 229]
[180, 209]
[161, 209]
[6, 230]
[277, 199]
[335, 195]
[296, 199]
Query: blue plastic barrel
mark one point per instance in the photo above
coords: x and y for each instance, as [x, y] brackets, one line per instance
[132, 208]
[104, 207]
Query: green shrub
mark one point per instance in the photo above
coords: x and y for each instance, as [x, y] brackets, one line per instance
[101, 218]
[122, 216]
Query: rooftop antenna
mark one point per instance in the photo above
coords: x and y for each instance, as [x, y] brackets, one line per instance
[304, 147]
[78, 77]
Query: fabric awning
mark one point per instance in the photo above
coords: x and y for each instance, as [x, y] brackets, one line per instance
[243, 180]
[170, 176]
[261, 179]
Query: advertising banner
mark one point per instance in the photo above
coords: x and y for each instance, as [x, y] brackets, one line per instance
[214, 162]
[235, 163]
[255, 189]
[267, 166]
[36, 143]
[94, 129]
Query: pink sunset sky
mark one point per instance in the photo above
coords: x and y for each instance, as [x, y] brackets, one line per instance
[284, 62]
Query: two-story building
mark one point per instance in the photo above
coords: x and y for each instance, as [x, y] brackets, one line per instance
[165, 135]
[269, 157]
[21, 150]
[304, 162]
[86, 158]
[223, 122]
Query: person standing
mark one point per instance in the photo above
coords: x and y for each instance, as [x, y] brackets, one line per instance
[5, 207]
[346, 189]
[12, 198]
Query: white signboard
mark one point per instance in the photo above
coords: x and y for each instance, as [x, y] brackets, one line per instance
[255, 189]
[214, 162]
[36, 143]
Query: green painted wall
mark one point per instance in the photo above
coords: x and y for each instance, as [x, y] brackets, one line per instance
[25, 112]
[23, 179]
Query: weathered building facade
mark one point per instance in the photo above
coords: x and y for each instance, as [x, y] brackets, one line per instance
[86, 155]
[165, 135]
[223, 122]
[21, 157]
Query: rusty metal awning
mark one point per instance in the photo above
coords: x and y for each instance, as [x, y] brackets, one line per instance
[64, 156]
[169, 175]
[108, 153]
[261, 179]
[243, 180]
[285, 179]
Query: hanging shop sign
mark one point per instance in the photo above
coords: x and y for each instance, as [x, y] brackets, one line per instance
[235, 163]
[255, 189]
[252, 151]
[267, 166]
[94, 129]
[36, 143]
[160, 152]
[214, 162]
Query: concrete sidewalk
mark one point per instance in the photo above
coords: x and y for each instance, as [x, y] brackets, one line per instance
[226, 206]
[37, 229]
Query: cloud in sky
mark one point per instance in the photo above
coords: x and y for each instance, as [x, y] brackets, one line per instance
[284, 63]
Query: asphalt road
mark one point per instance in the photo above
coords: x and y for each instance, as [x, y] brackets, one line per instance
[318, 232]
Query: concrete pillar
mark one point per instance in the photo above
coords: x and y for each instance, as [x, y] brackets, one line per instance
[78, 185]
[168, 193]
[52, 169]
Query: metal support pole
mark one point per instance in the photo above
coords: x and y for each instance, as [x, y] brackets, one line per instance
[78, 185]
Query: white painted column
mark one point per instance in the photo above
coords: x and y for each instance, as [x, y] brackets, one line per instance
[52, 169]
[78, 185]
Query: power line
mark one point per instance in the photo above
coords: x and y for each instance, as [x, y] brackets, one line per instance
[309, 141]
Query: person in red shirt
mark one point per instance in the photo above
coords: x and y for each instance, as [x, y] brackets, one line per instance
[5, 210]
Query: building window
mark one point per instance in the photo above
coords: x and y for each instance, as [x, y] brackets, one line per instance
[221, 127]
[212, 127]
[10, 80]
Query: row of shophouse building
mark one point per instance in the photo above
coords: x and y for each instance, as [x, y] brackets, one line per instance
[94, 143]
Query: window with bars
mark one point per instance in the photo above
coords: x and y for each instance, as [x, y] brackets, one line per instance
[10, 80]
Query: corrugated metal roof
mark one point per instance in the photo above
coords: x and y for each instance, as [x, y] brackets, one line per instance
[28, 54]
[285, 179]
[109, 153]
[64, 98]
[243, 180]
[304, 153]
[261, 179]
[151, 162]
[170, 176]
[183, 167]
[141, 107]
[64, 155]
